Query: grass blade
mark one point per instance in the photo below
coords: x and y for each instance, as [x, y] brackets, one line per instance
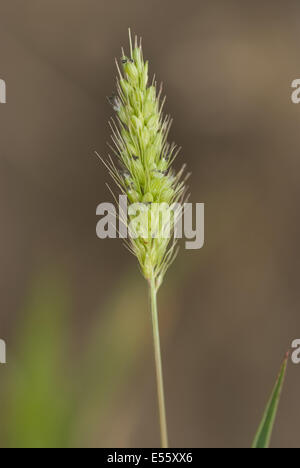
[264, 433]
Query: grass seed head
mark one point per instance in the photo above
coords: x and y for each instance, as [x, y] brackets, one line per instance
[144, 171]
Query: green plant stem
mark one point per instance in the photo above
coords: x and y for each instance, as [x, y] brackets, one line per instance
[158, 366]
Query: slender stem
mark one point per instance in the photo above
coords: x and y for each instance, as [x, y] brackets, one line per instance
[158, 365]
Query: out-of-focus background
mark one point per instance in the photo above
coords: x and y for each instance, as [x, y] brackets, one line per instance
[74, 311]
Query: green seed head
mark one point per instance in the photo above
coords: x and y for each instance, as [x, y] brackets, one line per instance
[145, 158]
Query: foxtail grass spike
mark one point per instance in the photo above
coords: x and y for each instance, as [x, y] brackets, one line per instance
[143, 169]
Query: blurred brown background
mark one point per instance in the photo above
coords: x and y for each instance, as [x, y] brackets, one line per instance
[73, 308]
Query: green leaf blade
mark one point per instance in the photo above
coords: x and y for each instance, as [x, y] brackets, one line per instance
[263, 436]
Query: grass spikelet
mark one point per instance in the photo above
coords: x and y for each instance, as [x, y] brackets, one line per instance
[144, 170]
